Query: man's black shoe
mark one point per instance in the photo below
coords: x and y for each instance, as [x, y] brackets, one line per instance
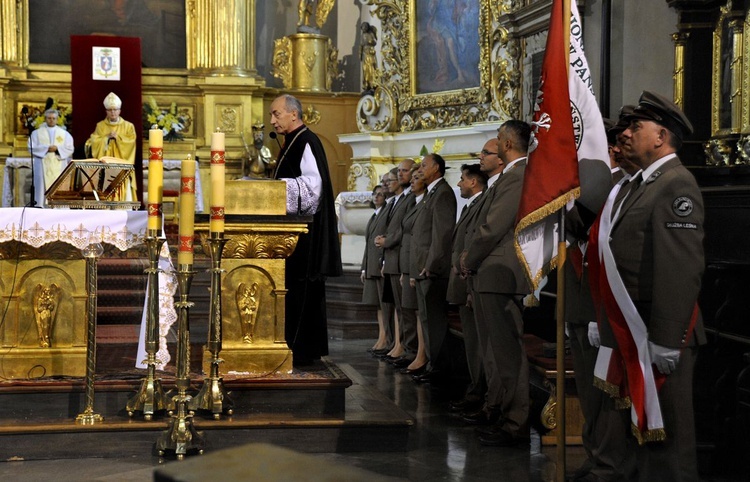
[465, 405]
[500, 438]
[480, 417]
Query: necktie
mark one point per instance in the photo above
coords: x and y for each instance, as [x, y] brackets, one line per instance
[628, 188]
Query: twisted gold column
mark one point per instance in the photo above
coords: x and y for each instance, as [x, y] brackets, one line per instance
[213, 395]
[150, 398]
[181, 436]
[91, 253]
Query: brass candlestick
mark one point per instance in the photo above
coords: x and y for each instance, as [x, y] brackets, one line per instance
[213, 395]
[150, 397]
[181, 436]
[91, 253]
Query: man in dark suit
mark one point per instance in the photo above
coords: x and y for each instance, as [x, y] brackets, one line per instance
[499, 284]
[471, 184]
[390, 242]
[657, 243]
[431, 238]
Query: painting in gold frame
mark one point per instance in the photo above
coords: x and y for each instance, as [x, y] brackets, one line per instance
[425, 89]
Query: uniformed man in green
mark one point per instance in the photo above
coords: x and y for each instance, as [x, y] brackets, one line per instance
[656, 240]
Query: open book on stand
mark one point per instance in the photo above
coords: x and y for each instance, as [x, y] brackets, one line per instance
[92, 184]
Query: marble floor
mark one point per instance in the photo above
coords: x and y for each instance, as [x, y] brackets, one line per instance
[441, 447]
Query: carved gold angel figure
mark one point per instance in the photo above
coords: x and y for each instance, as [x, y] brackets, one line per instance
[46, 300]
[321, 14]
[247, 303]
[305, 11]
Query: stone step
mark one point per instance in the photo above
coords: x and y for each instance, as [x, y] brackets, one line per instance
[315, 411]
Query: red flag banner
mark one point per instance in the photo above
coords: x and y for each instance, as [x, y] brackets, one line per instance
[568, 127]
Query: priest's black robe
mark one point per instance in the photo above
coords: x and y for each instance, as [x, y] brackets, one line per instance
[317, 256]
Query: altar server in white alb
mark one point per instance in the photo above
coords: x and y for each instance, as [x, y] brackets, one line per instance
[51, 148]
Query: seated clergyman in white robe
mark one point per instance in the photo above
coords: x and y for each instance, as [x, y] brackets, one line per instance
[51, 149]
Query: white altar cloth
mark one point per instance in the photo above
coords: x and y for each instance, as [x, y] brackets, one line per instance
[80, 227]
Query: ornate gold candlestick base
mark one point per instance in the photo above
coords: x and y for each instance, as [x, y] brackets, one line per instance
[181, 438]
[150, 397]
[213, 395]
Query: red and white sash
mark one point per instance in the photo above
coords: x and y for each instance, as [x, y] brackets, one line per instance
[640, 382]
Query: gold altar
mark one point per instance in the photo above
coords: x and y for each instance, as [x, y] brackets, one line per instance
[260, 236]
[44, 330]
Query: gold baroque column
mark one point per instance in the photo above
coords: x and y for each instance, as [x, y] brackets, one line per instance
[678, 76]
[221, 37]
[14, 33]
[737, 33]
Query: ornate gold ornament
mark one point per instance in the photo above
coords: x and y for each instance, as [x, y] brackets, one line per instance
[311, 115]
[260, 245]
[332, 68]
[306, 61]
[228, 119]
[376, 112]
[359, 170]
[743, 149]
[282, 60]
[247, 304]
[719, 152]
[506, 74]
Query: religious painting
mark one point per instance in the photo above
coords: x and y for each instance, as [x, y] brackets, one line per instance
[446, 46]
[447, 56]
[160, 24]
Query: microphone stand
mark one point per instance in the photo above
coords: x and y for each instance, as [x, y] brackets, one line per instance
[274, 135]
[32, 198]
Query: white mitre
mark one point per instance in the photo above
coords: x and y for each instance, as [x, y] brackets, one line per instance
[112, 101]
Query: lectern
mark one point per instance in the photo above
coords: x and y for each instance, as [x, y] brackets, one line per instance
[91, 184]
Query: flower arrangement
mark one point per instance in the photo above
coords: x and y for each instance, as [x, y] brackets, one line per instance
[32, 116]
[173, 121]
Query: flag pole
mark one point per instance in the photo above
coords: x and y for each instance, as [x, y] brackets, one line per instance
[560, 352]
[561, 258]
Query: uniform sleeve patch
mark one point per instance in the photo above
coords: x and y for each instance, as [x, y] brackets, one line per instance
[682, 206]
[681, 225]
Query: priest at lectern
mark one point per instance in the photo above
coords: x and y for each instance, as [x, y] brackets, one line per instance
[303, 166]
[115, 137]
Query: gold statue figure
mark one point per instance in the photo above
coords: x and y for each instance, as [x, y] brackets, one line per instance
[247, 303]
[305, 11]
[368, 57]
[258, 162]
[46, 299]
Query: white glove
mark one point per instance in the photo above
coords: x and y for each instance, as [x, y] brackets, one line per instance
[594, 339]
[664, 358]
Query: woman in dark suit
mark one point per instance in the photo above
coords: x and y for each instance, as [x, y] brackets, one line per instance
[408, 284]
[371, 265]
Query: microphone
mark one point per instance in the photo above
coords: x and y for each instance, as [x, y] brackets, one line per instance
[273, 135]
